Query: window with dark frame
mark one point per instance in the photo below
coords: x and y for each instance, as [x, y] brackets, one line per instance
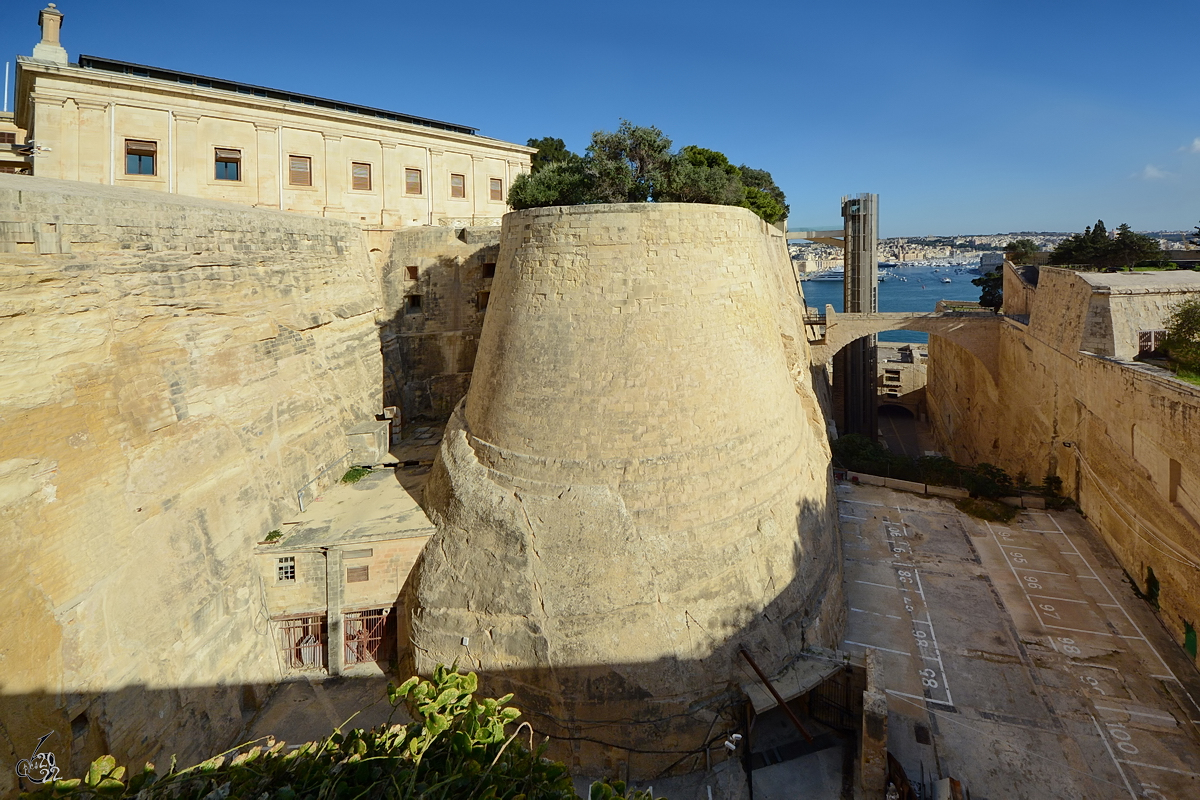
[413, 272]
[360, 174]
[458, 185]
[8, 137]
[496, 189]
[489, 270]
[358, 574]
[412, 304]
[299, 171]
[229, 164]
[285, 569]
[412, 181]
[140, 156]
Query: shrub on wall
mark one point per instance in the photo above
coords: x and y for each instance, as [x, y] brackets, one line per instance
[635, 164]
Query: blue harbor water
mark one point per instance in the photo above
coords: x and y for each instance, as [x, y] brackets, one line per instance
[915, 288]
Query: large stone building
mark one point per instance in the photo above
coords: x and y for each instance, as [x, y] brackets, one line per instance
[111, 122]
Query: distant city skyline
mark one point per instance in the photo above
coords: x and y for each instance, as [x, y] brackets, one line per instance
[964, 118]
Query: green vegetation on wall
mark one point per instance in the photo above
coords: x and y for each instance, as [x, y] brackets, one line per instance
[635, 164]
[1095, 249]
[456, 748]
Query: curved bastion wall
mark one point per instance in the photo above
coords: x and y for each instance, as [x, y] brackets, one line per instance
[636, 485]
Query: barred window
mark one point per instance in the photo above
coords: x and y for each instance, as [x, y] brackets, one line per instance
[1149, 341]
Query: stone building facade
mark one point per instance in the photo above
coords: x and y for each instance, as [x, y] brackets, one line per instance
[111, 122]
[1068, 400]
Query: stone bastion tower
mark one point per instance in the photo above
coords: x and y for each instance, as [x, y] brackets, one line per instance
[636, 485]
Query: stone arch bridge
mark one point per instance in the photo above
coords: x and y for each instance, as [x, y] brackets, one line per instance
[976, 331]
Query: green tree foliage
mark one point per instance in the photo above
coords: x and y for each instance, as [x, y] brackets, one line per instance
[629, 165]
[1094, 249]
[1183, 334]
[549, 151]
[456, 748]
[635, 164]
[991, 286]
[762, 196]
[1019, 251]
[699, 175]
[560, 183]
[1194, 237]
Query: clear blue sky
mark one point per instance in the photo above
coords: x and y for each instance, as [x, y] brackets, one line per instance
[972, 116]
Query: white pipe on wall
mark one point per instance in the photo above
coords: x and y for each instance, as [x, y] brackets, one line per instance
[171, 151]
[112, 143]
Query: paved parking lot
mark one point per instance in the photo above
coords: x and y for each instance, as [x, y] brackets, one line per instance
[1016, 657]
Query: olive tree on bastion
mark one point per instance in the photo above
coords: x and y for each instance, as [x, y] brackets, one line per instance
[634, 164]
[1183, 334]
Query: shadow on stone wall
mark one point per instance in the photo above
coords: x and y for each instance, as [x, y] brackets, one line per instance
[620, 730]
[429, 344]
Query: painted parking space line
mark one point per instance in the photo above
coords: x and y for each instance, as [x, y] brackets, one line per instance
[1113, 756]
[1076, 630]
[876, 613]
[1059, 599]
[1161, 769]
[877, 647]
[883, 585]
[1164, 717]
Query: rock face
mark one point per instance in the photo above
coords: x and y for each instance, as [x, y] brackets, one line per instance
[637, 483]
[172, 372]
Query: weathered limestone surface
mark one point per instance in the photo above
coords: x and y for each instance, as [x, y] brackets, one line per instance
[637, 482]
[429, 352]
[1133, 433]
[172, 371]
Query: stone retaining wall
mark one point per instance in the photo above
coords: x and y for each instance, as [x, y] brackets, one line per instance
[173, 371]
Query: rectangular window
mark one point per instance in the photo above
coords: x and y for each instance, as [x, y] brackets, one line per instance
[412, 181]
[229, 164]
[496, 189]
[367, 553]
[361, 176]
[285, 570]
[412, 304]
[482, 300]
[8, 137]
[413, 272]
[358, 574]
[489, 270]
[458, 185]
[299, 171]
[139, 157]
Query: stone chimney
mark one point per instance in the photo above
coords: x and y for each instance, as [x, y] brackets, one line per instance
[49, 48]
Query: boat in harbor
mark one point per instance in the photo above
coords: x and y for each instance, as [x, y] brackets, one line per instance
[828, 275]
[945, 280]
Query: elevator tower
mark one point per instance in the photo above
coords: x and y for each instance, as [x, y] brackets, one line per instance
[854, 367]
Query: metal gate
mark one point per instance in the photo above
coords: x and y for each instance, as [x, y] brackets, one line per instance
[833, 702]
[364, 634]
[302, 640]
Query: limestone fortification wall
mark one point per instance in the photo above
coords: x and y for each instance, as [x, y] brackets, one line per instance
[1131, 464]
[172, 372]
[636, 484]
[429, 351]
